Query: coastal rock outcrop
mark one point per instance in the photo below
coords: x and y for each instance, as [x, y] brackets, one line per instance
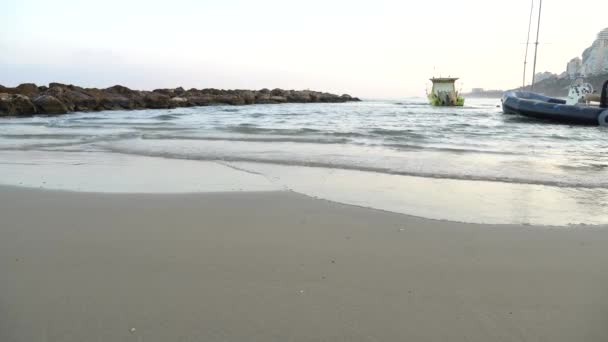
[58, 98]
[48, 104]
[16, 104]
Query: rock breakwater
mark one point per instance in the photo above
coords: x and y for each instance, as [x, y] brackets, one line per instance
[30, 99]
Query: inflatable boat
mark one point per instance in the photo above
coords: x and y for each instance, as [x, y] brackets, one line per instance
[557, 110]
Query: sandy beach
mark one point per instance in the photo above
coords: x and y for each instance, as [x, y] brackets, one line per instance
[279, 266]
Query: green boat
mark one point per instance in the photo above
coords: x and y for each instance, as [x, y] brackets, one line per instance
[444, 93]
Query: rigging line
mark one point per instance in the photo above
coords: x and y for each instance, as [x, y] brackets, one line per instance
[540, 8]
[528, 43]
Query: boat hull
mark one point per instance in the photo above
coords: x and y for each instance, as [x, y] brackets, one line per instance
[550, 109]
[436, 101]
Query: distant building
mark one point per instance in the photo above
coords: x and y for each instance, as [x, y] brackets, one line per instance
[477, 90]
[603, 35]
[541, 76]
[574, 67]
[595, 58]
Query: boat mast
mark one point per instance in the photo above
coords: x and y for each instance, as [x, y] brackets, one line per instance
[540, 8]
[528, 44]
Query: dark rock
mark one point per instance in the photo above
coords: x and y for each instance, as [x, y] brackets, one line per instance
[16, 104]
[47, 104]
[234, 100]
[55, 84]
[80, 101]
[200, 100]
[118, 89]
[157, 101]
[178, 102]
[168, 92]
[247, 96]
[262, 98]
[299, 96]
[28, 89]
[278, 92]
[278, 99]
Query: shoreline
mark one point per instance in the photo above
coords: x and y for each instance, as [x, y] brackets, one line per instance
[452, 200]
[276, 266]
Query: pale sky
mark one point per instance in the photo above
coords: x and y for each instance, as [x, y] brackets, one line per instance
[372, 49]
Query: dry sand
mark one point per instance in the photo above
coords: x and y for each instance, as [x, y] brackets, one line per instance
[279, 266]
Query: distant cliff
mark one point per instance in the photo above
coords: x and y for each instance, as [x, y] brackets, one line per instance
[554, 86]
[57, 98]
[595, 58]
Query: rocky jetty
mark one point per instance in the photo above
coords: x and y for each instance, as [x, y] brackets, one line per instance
[57, 98]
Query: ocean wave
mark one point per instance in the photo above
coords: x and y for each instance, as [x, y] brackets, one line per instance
[449, 149]
[396, 133]
[15, 121]
[269, 139]
[253, 129]
[122, 124]
[57, 136]
[410, 138]
[166, 117]
[81, 141]
[231, 110]
[359, 167]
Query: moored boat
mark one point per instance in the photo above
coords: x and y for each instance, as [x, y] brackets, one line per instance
[444, 92]
[557, 110]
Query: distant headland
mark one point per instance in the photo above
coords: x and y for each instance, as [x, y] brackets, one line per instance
[551, 86]
[30, 99]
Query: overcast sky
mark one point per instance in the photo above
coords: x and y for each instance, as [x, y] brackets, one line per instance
[379, 48]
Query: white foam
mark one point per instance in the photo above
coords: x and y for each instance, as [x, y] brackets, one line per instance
[116, 173]
[445, 199]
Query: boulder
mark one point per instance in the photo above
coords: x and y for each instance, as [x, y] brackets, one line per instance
[278, 99]
[247, 96]
[55, 84]
[28, 89]
[212, 91]
[199, 100]
[234, 100]
[124, 91]
[299, 96]
[178, 102]
[78, 100]
[157, 101]
[262, 97]
[47, 104]
[278, 92]
[168, 92]
[16, 104]
[119, 97]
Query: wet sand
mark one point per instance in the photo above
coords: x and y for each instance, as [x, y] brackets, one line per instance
[278, 266]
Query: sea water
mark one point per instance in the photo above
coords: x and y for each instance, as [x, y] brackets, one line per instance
[471, 164]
